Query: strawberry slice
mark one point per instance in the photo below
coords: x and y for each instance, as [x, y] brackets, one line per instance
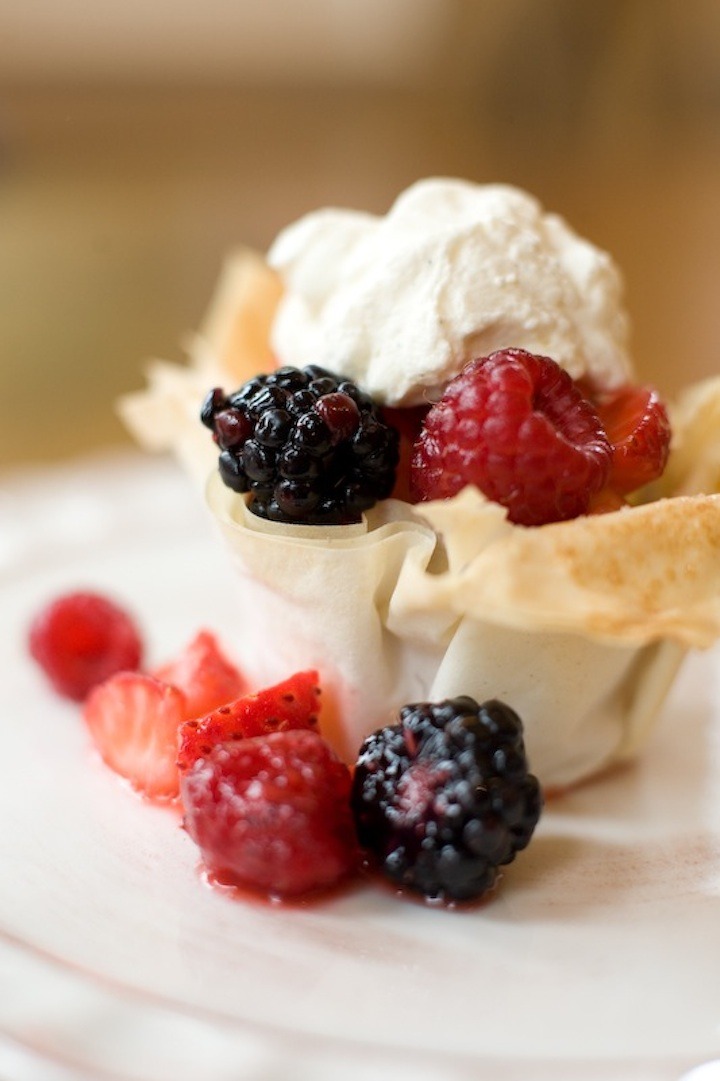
[638, 428]
[204, 675]
[134, 721]
[292, 704]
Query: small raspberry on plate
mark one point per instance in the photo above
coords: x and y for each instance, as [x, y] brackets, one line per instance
[272, 813]
[82, 638]
[444, 798]
[204, 675]
[134, 721]
[638, 428]
[517, 426]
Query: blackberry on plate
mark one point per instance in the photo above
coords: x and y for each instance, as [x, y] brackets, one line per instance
[307, 445]
[444, 798]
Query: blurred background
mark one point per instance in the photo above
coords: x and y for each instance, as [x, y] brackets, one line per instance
[141, 141]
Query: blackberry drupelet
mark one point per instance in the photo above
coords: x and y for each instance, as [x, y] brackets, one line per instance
[308, 446]
[444, 798]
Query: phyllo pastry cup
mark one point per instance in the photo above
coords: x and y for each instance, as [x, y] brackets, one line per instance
[580, 626]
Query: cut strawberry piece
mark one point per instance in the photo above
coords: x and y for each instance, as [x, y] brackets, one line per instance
[272, 813]
[81, 639]
[292, 704]
[638, 428]
[204, 675]
[134, 721]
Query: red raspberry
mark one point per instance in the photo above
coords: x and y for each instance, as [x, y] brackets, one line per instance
[639, 431]
[517, 426]
[272, 813]
[81, 639]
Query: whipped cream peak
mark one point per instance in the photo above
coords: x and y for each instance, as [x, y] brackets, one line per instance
[455, 270]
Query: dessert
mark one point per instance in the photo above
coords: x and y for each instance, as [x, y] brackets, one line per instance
[579, 622]
[449, 506]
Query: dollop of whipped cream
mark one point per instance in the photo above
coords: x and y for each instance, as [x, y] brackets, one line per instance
[455, 270]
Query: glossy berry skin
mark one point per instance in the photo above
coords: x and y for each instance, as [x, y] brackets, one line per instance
[204, 674]
[293, 703]
[638, 428]
[518, 427]
[308, 446]
[81, 639]
[444, 798]
[272, 813]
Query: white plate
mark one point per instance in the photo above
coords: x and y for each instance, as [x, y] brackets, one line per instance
[597, 959]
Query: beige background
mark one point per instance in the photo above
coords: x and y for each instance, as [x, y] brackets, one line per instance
[139, 142]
